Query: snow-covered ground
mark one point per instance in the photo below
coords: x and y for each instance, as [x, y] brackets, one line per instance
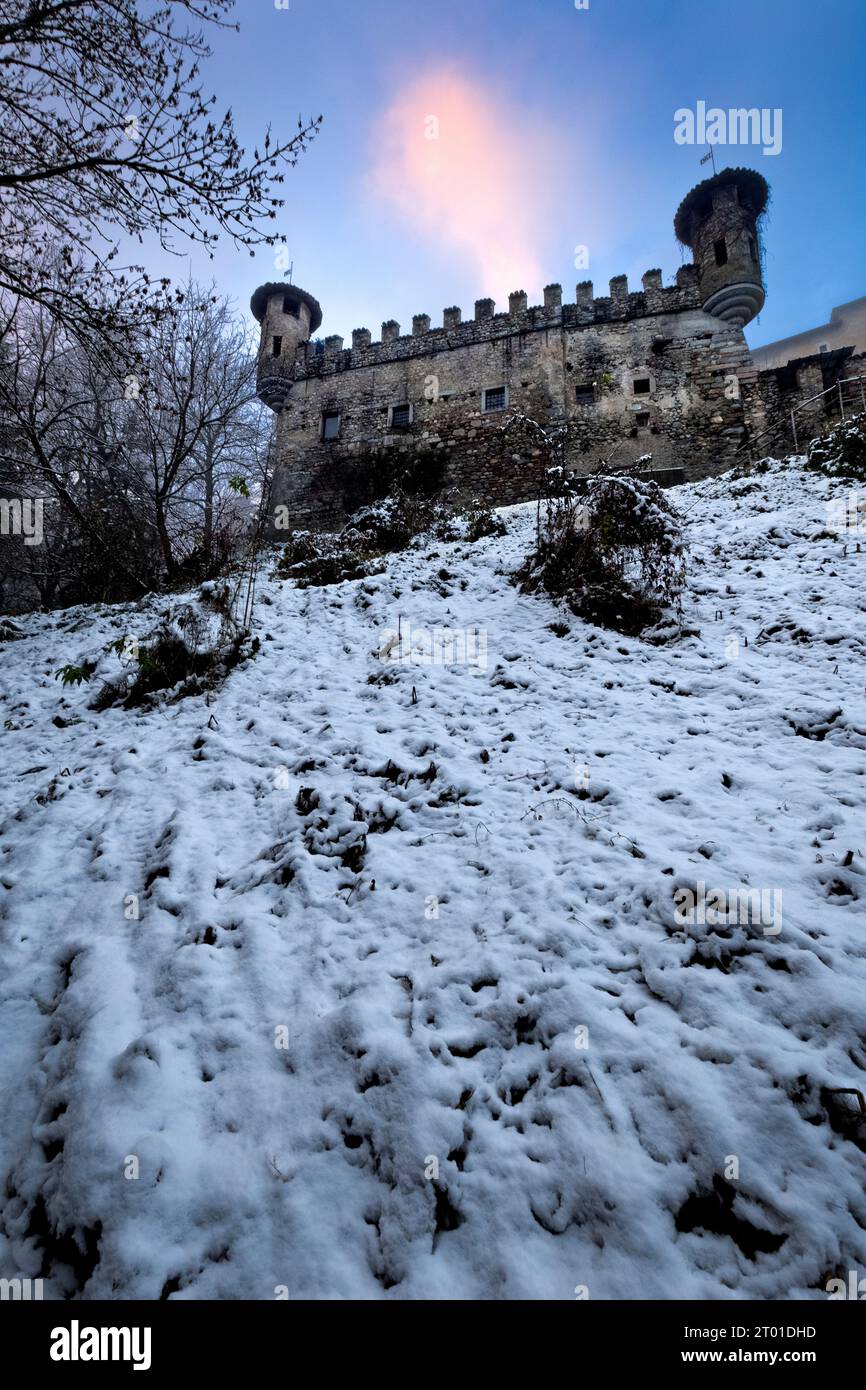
[406, 1010]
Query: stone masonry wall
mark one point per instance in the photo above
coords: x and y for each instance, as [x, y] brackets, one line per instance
[577, 361]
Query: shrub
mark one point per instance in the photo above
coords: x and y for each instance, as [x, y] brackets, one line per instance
[395, 521]
[378, 529]
[390, 524]
[477, 520]
[331, 569]
[842, 452]
[75, 675]
[300, 547]
[310, 558]
[194, 647]
[614, 554]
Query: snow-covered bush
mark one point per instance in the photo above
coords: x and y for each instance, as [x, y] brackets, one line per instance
[310, 558]
[842, 452]
[192, 649]
[395, 521]
[478, 520]
[390, 524]
[380, 528]
[615, 553]
[301, 547]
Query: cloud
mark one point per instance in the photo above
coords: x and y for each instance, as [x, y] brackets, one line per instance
[466, 172]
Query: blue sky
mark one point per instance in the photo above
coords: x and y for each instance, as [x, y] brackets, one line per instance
[572, 116]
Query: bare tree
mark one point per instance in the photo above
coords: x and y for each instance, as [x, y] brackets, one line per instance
[63, 419]
[196, 435]
[146, 477]
[105, 134]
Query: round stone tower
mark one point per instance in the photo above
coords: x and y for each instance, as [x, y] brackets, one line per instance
[288, 315]
[719, 220]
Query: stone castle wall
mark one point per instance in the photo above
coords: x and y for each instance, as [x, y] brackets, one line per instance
[578, 361]
[663, 371]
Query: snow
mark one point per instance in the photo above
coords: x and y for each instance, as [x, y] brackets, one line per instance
[406, 1011]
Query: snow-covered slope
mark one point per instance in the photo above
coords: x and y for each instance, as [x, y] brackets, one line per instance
[406, 1011]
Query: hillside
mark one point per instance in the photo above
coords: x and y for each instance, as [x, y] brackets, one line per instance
[434, 896]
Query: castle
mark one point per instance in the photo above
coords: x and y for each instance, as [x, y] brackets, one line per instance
[662, 371]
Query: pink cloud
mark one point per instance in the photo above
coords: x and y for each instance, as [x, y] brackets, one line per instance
[463, 170]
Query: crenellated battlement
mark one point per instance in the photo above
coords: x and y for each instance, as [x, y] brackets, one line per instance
[719, 220]
[425, 339]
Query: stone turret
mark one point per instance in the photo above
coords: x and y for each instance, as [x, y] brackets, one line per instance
[719, 221]
[288, 316]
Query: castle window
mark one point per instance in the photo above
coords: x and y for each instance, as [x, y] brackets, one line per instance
[291, 306]
[584, 394]
[330, 424]
[641, 385]
[753, 250]
[721, 250]
[642, 419]
[399, 417]
[823, 347]
[494, 398]
[278, 346]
